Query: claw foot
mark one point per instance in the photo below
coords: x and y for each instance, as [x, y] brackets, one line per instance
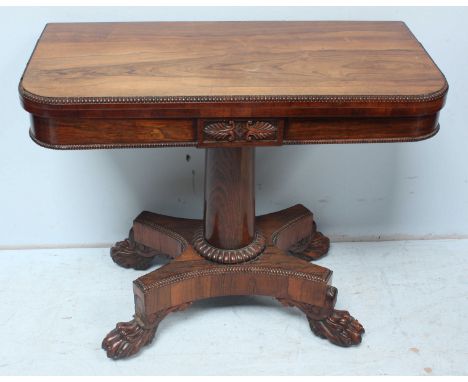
[340, 328]
[130, 254]
[127, 339]
[312, 247]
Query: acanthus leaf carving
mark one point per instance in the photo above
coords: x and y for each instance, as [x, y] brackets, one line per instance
[259, 130]
[240, 130]
[221, 130]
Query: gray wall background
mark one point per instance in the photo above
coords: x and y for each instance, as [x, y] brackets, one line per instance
[357, 192]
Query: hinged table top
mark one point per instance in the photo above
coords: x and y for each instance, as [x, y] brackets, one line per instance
[223, 59]
[271, 69]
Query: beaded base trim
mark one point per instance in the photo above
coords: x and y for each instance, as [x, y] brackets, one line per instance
[230, 269]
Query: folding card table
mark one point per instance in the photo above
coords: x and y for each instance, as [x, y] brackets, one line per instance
[228, 87]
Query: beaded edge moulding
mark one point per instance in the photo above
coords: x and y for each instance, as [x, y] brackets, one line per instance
[238, 98]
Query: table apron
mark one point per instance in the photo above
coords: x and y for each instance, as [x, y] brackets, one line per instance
[97, 133]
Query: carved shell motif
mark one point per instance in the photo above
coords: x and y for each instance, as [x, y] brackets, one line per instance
[240, 130]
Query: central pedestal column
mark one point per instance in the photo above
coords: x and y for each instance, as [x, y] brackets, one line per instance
[228, 235]
[229, 213]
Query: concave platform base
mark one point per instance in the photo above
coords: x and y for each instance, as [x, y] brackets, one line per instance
[279, 271]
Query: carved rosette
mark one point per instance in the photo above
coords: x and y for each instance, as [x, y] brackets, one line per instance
[228, 256]
[240, 131]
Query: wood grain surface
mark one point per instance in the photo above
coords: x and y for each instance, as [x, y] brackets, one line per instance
[279, 271]
[230, 58]
[229, 212]
[150, 84]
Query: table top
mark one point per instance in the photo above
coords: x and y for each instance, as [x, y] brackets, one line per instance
[306, 69]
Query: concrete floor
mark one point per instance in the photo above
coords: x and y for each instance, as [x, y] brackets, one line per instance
[411, 296]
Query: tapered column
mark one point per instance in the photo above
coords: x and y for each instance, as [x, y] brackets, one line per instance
[229, 214]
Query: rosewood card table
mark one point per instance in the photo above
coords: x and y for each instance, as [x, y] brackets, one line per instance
[228, 87]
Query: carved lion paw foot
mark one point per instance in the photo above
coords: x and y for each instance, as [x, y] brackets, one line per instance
[312, 247]
[127, 339]
[129, 254]
[340, 328]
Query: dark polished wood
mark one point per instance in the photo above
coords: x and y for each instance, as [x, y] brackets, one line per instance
[63, 134]
[229, 213]
[280, 272]
[240, 132]
[291, 230]
[229, 87]
[109, 62]
[314, 82]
